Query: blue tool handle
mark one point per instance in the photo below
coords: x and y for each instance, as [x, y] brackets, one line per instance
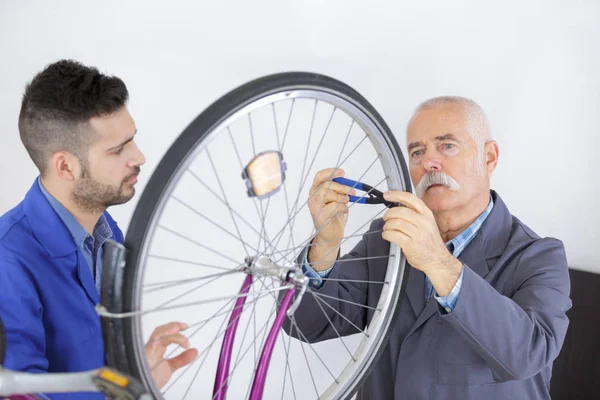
[358, 199]
[349, 182]
[352, 184]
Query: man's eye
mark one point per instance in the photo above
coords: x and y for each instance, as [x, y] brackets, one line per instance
[417, 153]
[119, 151]
[448, 146]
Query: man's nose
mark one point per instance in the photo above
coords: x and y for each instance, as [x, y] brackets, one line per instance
[432, 164]
[138, 159]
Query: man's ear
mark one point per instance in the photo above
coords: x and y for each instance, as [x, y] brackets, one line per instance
[491, 152]
[65, 165]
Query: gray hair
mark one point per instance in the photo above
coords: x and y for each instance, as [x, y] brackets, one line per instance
[478, 124]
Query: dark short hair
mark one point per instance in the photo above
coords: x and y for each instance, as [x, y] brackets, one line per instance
[58, 104]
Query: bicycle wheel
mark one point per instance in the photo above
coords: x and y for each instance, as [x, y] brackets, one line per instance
[195, 225]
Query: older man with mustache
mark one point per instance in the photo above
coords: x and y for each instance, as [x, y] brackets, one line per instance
[485, 315]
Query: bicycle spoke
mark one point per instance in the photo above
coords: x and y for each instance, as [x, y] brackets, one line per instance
[334, 328]
[262, 226]
[362, 226]
[263, 338]
[263, 328]
[280, 148]
[206, 351]
[238, 237]
[193, 303]
[318, 148]
[345, 142]
[278, 235]
[312, 124]
[254, 201]
[254, 328]
[345, 301]
[312, 378]
[355, 281]
[332, 213]
[199, 354]
[179, 260]
[203, 322]
[207, 187]
[287, 364]
[161, 306]
[340, 314]
[237, 229]
[251, 133]
[305, 178]
[288, 124]
[352, 259]
[343, 241]
[287, 359]
[278, 303]
[152, 287]
[288, 250]
[305, 340]
[245, 335]
[197, 243]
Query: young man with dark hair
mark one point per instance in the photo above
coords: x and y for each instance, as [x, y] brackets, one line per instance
[76, 127]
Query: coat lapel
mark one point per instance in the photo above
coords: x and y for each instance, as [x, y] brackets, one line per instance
[472, 258]
[52, 233]
[488, 243]
[415, 290]
[86, 279]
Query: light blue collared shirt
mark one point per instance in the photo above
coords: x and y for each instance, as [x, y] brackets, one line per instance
[456, 246]
[90, 245]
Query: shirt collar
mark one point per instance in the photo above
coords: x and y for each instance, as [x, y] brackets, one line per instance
[102, 230]
[458, 244]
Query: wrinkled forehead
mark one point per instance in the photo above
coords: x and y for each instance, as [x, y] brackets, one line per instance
[439, 121]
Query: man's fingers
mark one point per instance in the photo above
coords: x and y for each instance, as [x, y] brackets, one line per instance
[333, 197]
[408, 199]
[401, 225]
[333, 209]
[167, 329]
[330, 186]
[182, 359]
[327, 174]
[154, 352]
[397, 237]
[177, 338]
[404, 213]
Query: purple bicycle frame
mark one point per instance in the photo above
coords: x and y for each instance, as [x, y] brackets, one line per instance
[260, 375]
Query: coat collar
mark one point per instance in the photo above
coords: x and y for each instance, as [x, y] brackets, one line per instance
[46, 224]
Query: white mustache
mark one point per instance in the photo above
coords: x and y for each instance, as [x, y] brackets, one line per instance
[435, 178]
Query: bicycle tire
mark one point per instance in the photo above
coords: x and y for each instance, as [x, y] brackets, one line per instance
[179, 151]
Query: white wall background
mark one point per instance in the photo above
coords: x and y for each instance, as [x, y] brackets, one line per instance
[534, 67]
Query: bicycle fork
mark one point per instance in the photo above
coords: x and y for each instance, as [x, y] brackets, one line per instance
[260, 266]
